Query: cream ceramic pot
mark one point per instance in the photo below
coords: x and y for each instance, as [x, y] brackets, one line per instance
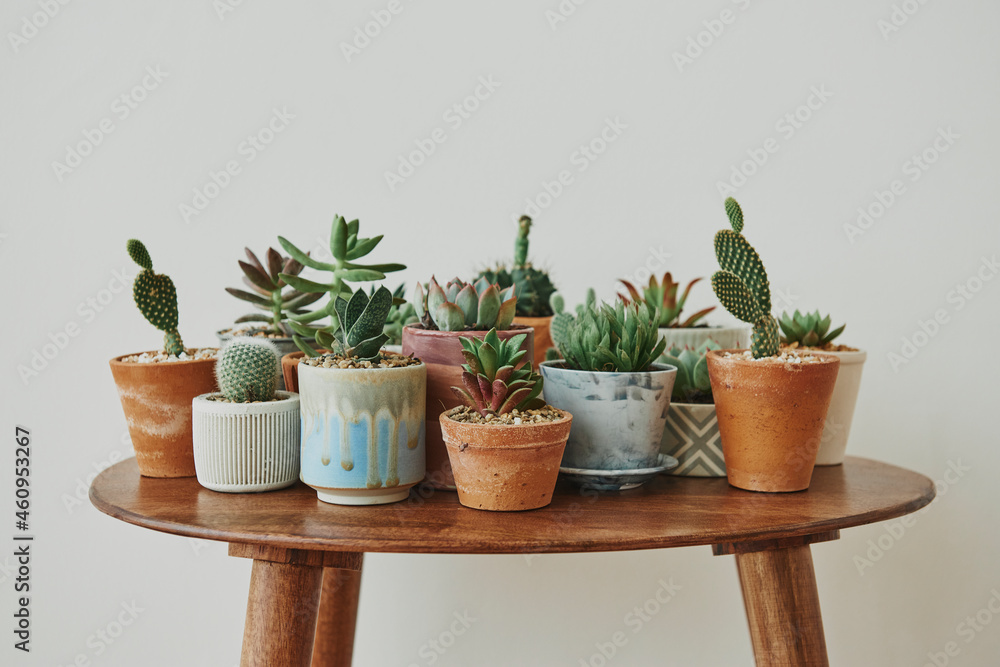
[837, 429]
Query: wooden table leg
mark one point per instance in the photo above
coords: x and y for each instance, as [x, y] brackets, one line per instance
[285, 601]
[338, 617]
[781, 601]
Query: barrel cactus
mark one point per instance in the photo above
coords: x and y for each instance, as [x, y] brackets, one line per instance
[461, 306]
[532, 287]
[156, 298]
[247, 370]
[742, 286]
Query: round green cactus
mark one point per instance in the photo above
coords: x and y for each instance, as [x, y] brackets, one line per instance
[247, 370]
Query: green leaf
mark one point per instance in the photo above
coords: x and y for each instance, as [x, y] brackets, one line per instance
[361, 275]
[488, 359]
[468, 301]
[372, 319]
[363, 247]
[303, 258]
[338, 238]
[735, 296]
[489, 308]
[701, 380]
[304, 284]
[257, 277]
[384, 268]
[449, 317]
[255, 299]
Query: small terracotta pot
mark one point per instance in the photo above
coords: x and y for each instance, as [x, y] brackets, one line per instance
[441, 351]
[290, 369]
[505, 468]
[543, 335]
[771, 417]
[157, 399]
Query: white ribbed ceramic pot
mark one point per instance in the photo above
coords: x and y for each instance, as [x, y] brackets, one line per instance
[246, 447]
[837, 429]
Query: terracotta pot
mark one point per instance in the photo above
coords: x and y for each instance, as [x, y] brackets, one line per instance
[442, 353]
[543, 335]
[247, 447]
[362, 432]
[505, 468]
[692, 437]
[290, 369]
[157, 399]
[737, 336]
[837, 429]
[771, 417]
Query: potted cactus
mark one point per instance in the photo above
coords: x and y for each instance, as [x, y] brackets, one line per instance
[771, 404]
[275, 300]
[446, 314]
[156, 388]
[692, 432]
[503, 442]
[609, 381]
[532, 287]
[246, 436]
[313, 332]
[688, 332]
[362, 410]
[810, 331]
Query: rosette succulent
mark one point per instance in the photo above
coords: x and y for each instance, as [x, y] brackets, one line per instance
[808, 330]
[461, 306]
[624, 338]
[493, 383]
[663, 295]
[691, 384]
[532, 287]
[268, 290]
[742, 286]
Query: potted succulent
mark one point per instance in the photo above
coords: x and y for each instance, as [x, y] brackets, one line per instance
[156, 388]
[812, 332]
[692, 432]
[272, 297]
[771, 404]
[246, 436]
[446, 314]
[504, 443]
[619, 396]
[401, 314]
[683, 333]
[532, 287]
[312, 332]
[362, 409]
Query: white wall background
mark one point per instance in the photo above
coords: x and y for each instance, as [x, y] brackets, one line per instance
[654, 190]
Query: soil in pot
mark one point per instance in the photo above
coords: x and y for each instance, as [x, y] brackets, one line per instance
[771, 413]
[362, 429]
[506, 467]
[441, 351]
[156, 395]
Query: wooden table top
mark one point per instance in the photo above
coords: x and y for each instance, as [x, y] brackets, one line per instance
[665, 512]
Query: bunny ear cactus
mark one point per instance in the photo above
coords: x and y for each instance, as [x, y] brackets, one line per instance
[347, 248]
[741, 285]
[561, 321]
[532, 286]
[268, 291]
[808, 330]
[460, 306]
[493, 385]
[362, 322]
[247, 370]
[156, 298]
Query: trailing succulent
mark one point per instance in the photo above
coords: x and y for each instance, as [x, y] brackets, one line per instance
[624, 338]
[401, 314]
[663, 295]
[532, 287]
[346, 247]
[691, 384]
[461, 306]
[361, 332]
[269, 293]
[247, 370]
[156, 298]
[808, 330]
[493, 383]
[741, 285]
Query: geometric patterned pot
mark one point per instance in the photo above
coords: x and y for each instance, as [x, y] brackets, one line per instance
[692, 437]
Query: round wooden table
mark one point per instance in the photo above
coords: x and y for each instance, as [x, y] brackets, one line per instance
[307, 555]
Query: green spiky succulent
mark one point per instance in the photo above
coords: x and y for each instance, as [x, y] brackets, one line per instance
[741, 285]
[663, 295]
[494, 385]
[346, 247]
[247, 370]
[808, 330]
[624, 338]
[269, 292]
[401, 314]
[691, 384]
[156, 298]
[461, 306]
[361, 332]
[532, 286]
